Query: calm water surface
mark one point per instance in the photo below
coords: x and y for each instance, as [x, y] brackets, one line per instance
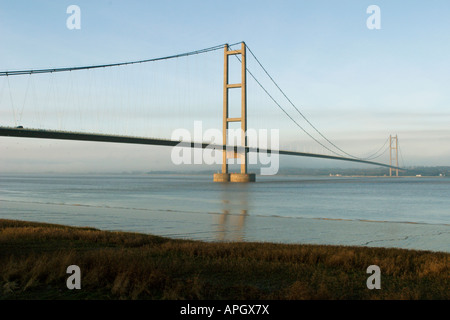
[391, 212]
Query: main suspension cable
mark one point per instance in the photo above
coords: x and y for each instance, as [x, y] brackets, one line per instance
[301, 114]
[37, 71]
[278, 104]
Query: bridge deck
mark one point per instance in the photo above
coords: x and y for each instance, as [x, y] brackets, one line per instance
[79, 136]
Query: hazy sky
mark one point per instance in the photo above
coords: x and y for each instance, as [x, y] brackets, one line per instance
[357, 85]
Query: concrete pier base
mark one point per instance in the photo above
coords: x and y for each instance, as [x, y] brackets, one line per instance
[234, 177]
[221, 177]
[242, 177]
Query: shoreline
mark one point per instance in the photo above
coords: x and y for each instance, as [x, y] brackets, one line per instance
[232, 226]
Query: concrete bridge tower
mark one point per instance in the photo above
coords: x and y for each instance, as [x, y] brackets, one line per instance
[241, 151]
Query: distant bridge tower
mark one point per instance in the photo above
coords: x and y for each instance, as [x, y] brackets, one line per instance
[244, 176]
[393, 154]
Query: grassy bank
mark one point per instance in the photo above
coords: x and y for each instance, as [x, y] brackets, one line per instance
[118, 265]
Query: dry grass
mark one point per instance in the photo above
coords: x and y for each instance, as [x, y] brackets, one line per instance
[119, 265]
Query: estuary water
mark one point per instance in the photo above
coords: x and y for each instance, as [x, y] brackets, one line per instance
[412, 213]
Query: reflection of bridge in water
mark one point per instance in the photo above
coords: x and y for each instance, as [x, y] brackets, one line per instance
[235, 209]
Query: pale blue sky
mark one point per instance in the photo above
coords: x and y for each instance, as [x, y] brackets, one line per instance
[357, 85]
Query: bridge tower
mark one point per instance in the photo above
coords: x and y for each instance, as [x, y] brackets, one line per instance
[393, 154]
[241, 152]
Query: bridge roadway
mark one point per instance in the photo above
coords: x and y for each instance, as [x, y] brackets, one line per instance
[79, 136]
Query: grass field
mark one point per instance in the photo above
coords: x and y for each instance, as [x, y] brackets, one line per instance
[117, 265]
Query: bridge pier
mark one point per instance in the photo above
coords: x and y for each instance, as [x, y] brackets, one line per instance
[234, 177]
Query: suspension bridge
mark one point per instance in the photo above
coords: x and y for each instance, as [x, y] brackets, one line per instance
[64, 107]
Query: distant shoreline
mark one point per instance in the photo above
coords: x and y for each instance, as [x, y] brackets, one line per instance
[207, 174]
[363, 176]
[426, 172]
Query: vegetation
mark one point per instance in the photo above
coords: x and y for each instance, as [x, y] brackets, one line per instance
[118, 265]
